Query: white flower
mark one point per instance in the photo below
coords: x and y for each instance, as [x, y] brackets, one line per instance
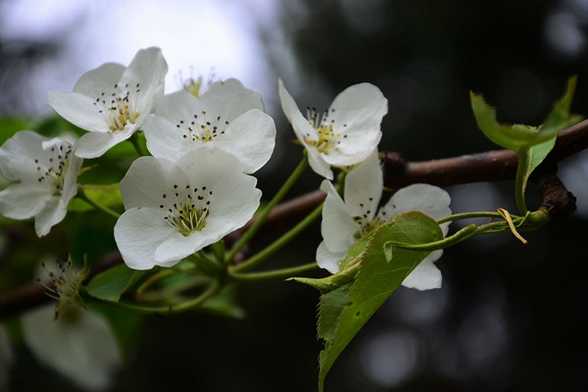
[112, 101]
[43, 178]
[5, 358]
[82, 348]
[344, 221]
[176, 209]
[228, 116]
[345, 134]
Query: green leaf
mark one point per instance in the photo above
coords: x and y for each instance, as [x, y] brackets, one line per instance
[10, 125]
[330, 307]
[532, 156]
[510, 136]
[111, 284]
[344, 311]
[349, 265]
[106, 195]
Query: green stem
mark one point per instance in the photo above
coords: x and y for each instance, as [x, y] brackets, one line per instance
[521, 181]
[279, 243]
[262, 216]
[150, 281]
[469, 215]
[283, 273]
[83, 196]
[175, 308]
[459, 236]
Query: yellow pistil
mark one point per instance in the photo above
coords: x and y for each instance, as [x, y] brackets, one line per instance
[327, 139]
[193, 86]
[123, 116]
[188, 219]
[206, 135]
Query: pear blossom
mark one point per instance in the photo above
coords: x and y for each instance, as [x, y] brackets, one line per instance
[227, 116]
[5, 358]
[112, 101]
[343, 135]
[344, 221]
[81, 347]
[77, 343]
[42, 175]
[174, 209]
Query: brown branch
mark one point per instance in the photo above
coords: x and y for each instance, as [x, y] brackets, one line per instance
[487, 166]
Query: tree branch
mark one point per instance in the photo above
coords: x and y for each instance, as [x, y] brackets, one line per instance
[487, 166]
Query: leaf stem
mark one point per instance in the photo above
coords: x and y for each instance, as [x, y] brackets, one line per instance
[83, 196]
[521, 180]
[469, 215]
[262, 216]
[457, 237]
[178, 307]
[283, 273]
[279, 243]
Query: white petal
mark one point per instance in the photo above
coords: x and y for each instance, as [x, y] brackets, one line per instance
[356, 146]
[70, 179]
[235, 197]
[178, 247]
[328, 260]
[53, 213]
[318, 164]
[337, 227]
[102, 79]
[164, 139]
[301, 126]
[148, 180]
[231, 99]
[148, 68]
[18, 155]
[428, 199]
[84, 350]
[363, 187]
[359, 109]
[338, 158]
[426, 275]
[23, 201]
[95, 144]
[79, 110]
[180, 105]
[138, 232]
[251, 138]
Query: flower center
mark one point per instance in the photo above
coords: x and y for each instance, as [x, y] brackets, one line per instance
[327, 137]
[63, 282]
[187, 208]
[193, 86]
[52, 169]
[118, 105]
[202, 127]
[366, 224]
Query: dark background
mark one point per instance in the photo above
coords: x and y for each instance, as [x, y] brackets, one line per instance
[508, 318]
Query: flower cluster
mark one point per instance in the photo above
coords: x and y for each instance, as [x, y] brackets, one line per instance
[197, 185]
[194, 188]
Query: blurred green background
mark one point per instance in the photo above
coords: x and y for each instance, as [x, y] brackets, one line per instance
[508, 318]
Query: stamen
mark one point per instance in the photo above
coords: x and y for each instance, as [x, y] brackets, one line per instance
[328, 138]
[190, 209]
[120, 111]
[63, 283]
